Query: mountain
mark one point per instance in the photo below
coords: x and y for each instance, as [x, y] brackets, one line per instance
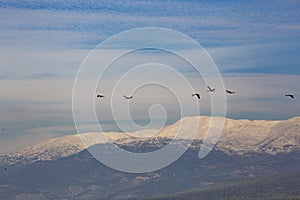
[283, 186]
[238, 137]
[62, 168]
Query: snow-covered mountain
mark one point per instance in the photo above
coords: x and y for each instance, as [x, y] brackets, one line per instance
[61, 168]
[238, 137]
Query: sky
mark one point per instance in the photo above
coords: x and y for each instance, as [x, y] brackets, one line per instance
[255, 44]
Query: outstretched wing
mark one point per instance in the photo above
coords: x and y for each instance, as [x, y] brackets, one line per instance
[126, 97]
[290, 95]
[230, 92]
[196, 94]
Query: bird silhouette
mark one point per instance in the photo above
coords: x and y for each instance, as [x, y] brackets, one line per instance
[197, 95]
[230, 92]
[126, 97]
[290, 95]
[100, 96]
[210, 89]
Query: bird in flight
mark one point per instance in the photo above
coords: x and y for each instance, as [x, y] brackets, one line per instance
[100, 96]
[290, 95]
[230, 92]
[126, 97]
[197, 95]
[210, 89]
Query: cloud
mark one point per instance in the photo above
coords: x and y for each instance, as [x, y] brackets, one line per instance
[28, 63]
[86, 23]
[275, 58]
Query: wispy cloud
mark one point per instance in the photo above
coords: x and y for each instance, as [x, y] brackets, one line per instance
[211, 23]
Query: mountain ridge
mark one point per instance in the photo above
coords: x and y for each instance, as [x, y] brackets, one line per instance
[238, 137]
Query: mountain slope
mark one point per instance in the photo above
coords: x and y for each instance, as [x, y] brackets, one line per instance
[284, 136]
[80, 176]
[284, 186]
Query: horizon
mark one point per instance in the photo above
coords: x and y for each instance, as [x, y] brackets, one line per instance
[83, 135]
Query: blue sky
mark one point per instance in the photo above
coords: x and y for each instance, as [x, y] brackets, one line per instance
[255, 44]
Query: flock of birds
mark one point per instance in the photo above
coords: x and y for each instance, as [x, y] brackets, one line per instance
[209, 89]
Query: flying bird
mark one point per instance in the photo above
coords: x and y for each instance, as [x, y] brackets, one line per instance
[230, 92]
[100, 96]
[197, 95]
[210, 89]
[126, 97]
[290, 95]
